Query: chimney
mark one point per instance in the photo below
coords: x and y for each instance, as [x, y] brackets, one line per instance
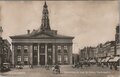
[28, 31]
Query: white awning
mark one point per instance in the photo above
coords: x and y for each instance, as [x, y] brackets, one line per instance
[115, 59]
[106, 59]
[103, 60]
[93, 61]
[111, 60]
[99, 60]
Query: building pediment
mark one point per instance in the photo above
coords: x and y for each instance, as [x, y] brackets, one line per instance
[41, 36]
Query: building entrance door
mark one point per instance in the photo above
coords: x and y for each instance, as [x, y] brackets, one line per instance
[34, 60]
[42, 59]
[49, 59]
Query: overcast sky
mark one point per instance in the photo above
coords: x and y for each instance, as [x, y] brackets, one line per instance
[90, 22]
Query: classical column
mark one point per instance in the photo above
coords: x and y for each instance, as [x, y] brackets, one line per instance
[38, 54]
[62, 50]
[22, 55]
[45, 54]
[31, 54]
[70, 54]
[13, 55]
[53, 54]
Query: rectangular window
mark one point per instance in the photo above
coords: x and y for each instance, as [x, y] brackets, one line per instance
[59, 58]
[59, 49]
[42, 48]
[25, 58]
[65, 49]
[25, 49]
[18, 47]
[49, 49]
[19, 58]
[65, 58]
[18, 51]
[35, 48]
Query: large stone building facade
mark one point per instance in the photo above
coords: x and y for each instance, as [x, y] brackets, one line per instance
[43, 46]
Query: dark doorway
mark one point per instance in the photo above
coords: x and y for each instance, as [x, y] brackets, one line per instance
[35, 60]
[49, 62]
[42, 59]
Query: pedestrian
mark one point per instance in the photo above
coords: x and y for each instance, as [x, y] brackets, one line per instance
[31, 66]
[115, 66]
[110, 65]
[102, 65]
[81, 65]
[57, 68]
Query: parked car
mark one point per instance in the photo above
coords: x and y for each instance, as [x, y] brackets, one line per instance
[19, 66]
[5, 67]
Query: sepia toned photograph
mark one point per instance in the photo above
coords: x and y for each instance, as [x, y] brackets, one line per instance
[59, 38]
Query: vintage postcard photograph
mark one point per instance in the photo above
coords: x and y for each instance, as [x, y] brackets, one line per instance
[59, 38]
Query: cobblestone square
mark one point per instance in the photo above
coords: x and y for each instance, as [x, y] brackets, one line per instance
[66, 71]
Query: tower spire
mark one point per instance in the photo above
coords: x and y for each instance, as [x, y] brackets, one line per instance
[45, 26]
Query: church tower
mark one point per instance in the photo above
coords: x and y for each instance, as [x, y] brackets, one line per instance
[45, 26]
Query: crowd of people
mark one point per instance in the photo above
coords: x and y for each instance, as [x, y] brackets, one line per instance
[110, 65]
[55, 68]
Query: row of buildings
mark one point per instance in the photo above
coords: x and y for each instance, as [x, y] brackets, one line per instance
[5, 51]
[101, 51]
